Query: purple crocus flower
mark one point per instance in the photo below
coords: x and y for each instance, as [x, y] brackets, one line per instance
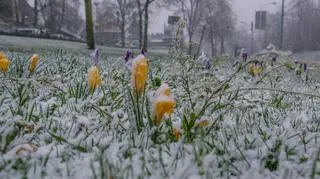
[128, 55]
[305, 67]
[142, 51]
[95, 55]
[128, 58]
[205, 61]
[208, 65]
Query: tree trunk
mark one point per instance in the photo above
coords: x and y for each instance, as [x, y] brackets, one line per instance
[52, 21]
[22, 11]
[63, 12]
[123, 30]
[146, 23]
[201, 39]
[190, 42]
[35, 11]
[89, 24]
[215, 44]
[211, 36]
[16, 10]
[221, 44]
[212, 47]
[140, 23]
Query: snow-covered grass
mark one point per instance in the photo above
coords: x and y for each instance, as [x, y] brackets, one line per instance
[30, 44]
[52, 127]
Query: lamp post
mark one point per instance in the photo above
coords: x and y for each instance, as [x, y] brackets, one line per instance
[252, 37]
[282, 24]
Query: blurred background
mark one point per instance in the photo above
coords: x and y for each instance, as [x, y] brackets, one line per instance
[212, 26]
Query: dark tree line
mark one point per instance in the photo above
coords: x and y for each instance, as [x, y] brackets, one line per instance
[208, 21]
[301, 26]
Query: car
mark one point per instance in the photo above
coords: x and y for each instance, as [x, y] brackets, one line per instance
[29, 31]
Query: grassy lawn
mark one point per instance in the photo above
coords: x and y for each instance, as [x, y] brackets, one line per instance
[225, 123]
[31, 44]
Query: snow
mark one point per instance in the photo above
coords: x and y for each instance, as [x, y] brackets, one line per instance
[78, 135]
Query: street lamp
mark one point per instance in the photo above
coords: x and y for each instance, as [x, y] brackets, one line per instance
[282, 24]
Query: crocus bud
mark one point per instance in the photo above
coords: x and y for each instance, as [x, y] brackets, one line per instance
[4, 62]
[33, 64]
[94, 79]
[139, 73]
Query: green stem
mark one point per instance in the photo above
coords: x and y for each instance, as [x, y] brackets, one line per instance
[138, 117]
[134, 109]
[265, 74]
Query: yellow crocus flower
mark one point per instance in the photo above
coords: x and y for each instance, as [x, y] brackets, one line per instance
[2, 55]
[33, 64]
[161, 106]
[164, 90]
[251, 67]
[256, 70]
[202, 122]
[139, 73]
[4, 62]
[94, 79]
[176, 133]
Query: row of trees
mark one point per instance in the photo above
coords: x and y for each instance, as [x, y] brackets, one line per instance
[303, 27]
[52, 14]
[124, 10]
[301, 31]
[210, 21]
[59, 13]
[207, 20]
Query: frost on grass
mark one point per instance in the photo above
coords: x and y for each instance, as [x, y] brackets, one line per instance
[52, 127]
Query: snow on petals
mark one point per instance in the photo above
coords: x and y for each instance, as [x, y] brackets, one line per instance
[163, 104]
[94, 79]
[139, 73]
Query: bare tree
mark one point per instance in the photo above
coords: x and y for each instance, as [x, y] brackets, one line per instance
[219, 19]
[146, 23]
[140, 13]
[39, 6]
[143, 9]
[124, 11]
[63, 13]
[301, 30]
[212, 32]
[6, 10]
[35, 10]
[202, 35]
[303, 33]
[72, 18]
[225, 22]
[16, 10]
[193, 14]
